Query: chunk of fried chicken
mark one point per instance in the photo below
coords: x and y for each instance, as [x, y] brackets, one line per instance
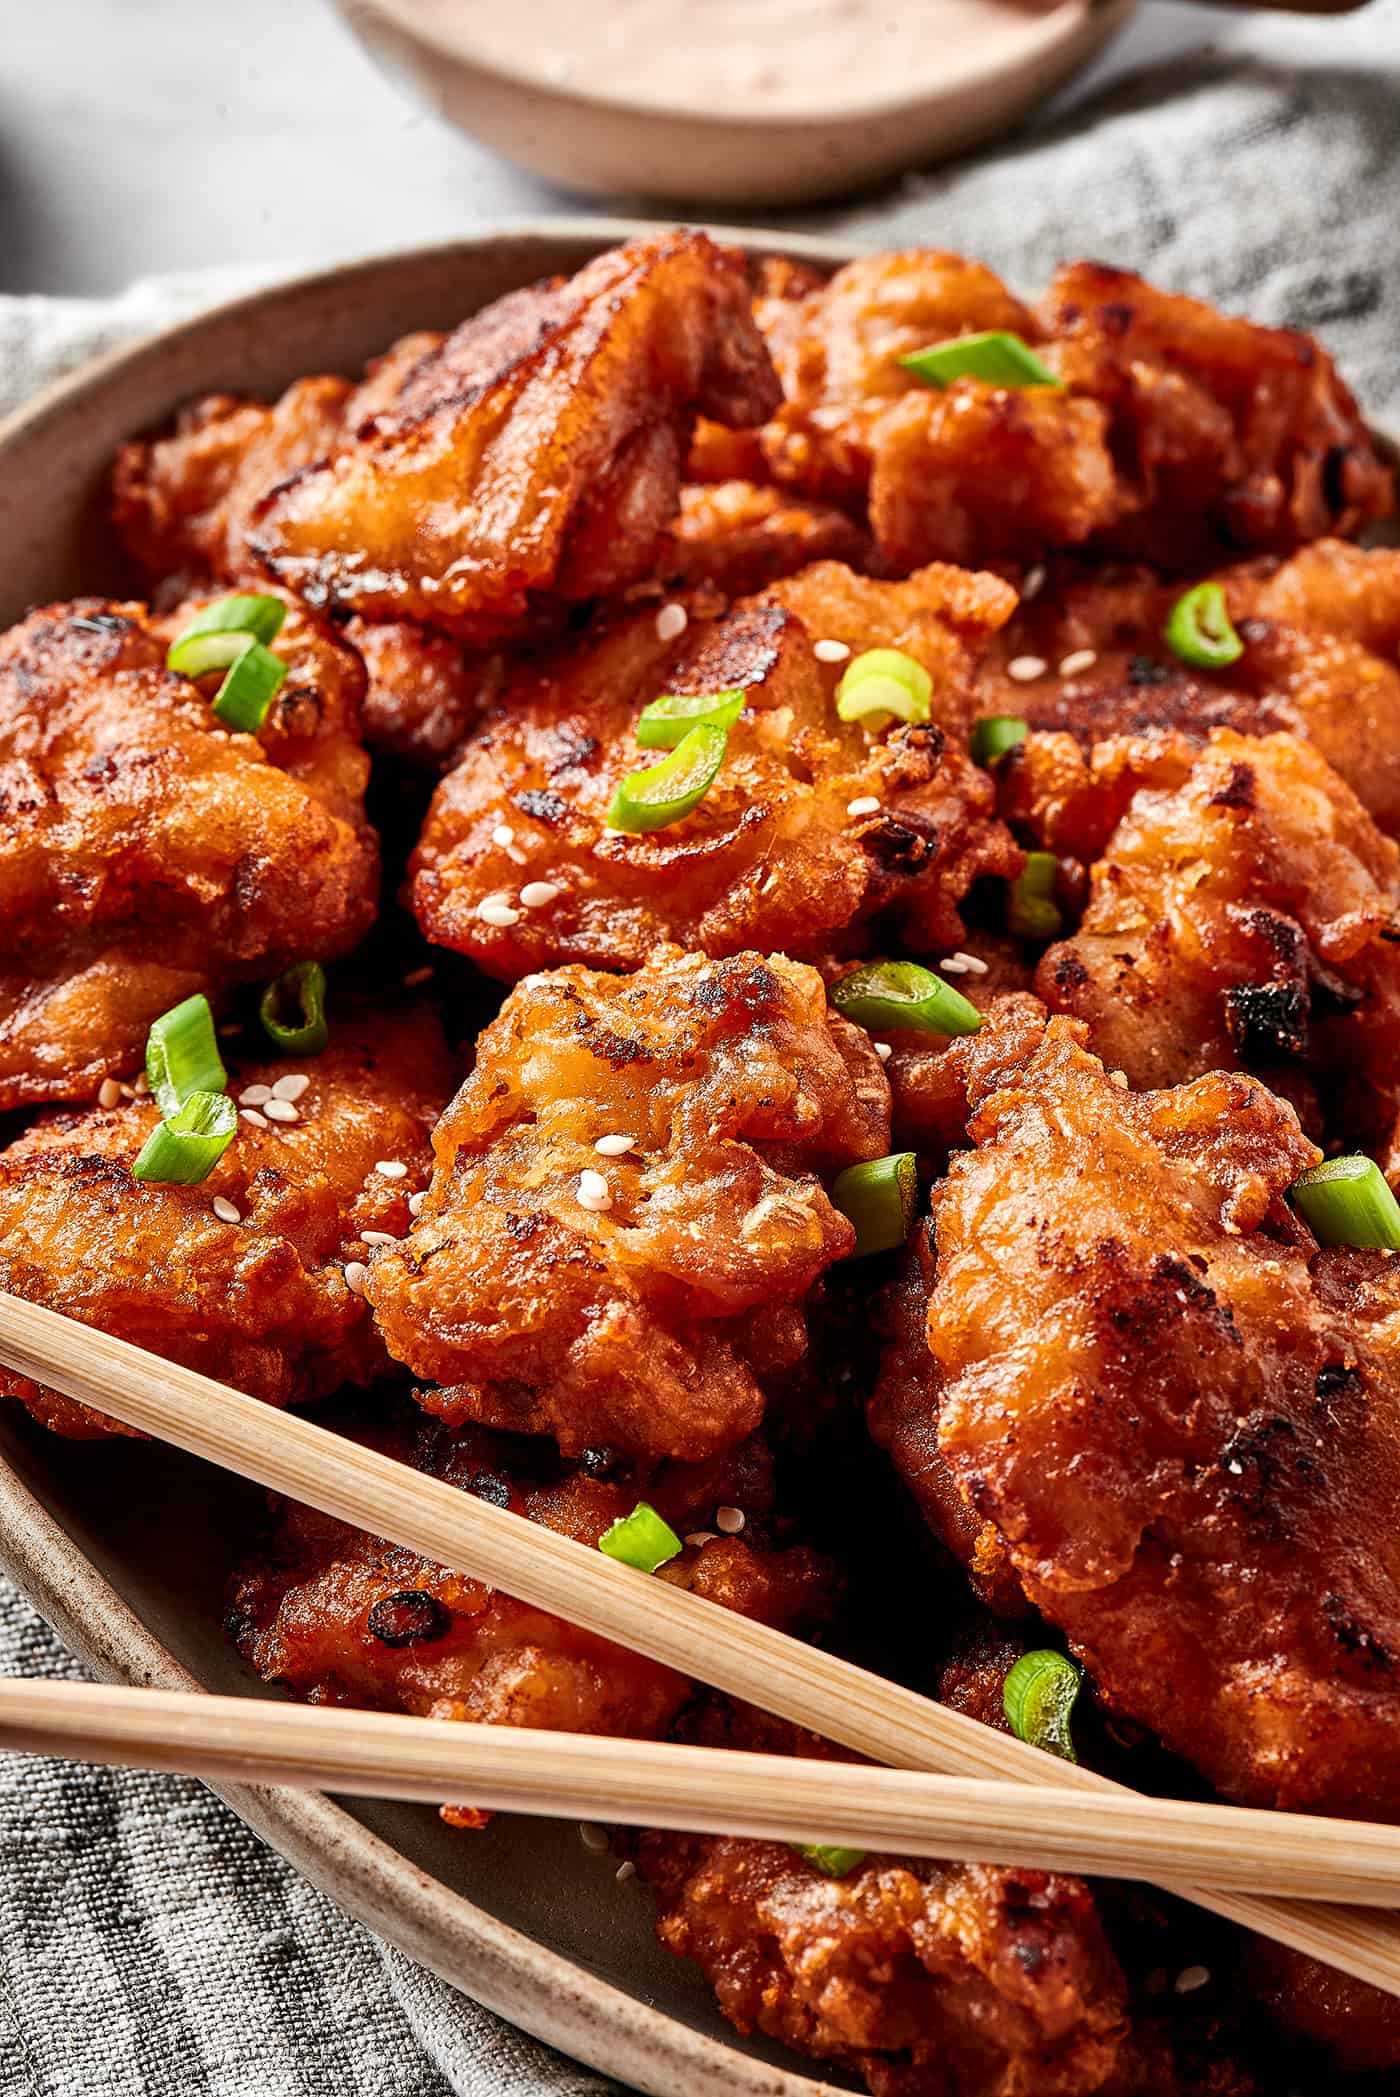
[1243, 912]
[255, 1295]
[738, 537]
[148, 851]
[785, 851]
[341, 1617]
[638, 1301]
[1175, 433]
[535, 453]
[927, 1979]
[1181, 1416]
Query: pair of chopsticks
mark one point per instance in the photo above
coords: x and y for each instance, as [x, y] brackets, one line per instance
[1290, 1877]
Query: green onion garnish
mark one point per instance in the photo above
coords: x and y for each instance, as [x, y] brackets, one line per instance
[300, 990]
[182, 1056]
[882, 995]
[998, 357]
[883, 685]
[1031, 910]
[1198, 629]
[667, 720]
[879, 1199]
[262, 617]
[232, 636]
[1038, 1698]
[664, 793]
[188, 1144]
[641, 1539]
[829, 1858]
[1346, 1202]
[994, 735]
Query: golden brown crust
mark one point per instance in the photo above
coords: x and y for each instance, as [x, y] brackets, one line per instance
[653, 1323]
[738, 537]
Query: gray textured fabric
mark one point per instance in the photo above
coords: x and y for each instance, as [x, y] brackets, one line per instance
[148, 1944]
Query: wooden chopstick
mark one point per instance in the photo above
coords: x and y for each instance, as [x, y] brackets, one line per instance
[749, 1660]
[640, 1783]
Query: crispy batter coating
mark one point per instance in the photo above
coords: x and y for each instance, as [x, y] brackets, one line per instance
[149, 852]
[261, 1302]
[1243, 912]
[536, 452]
[1180, 434]
[1358, 2025]
[424, 692]
[1183, 1418]
[772, 857]
[739, 537]
[928, 1979]
[651, 1323]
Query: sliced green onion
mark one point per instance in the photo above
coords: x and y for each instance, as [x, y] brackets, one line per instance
[188, 1144]
[879, 1199]
[302, 989]
[667, 720]
[998, 357]
[1199, 629]
[883, 685]
[664, 793]
[829, 1857]
[182, 1056]
[262, 617]
[1346, 1202]
[1031, 910]
[1038, 1698]
[995, 734]
[884, 995]
[641, 1539]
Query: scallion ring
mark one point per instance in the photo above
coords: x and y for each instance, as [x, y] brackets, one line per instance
[232, 636]
[888, 996]
[1199, 629]
[664, 793]
[884, 685]
[1031, 909]
[641, 1539]
[300, 991]
[994, 735]
[829, 1858]
[1038, 1697]
[1346, 1201]
[182, 1055]
[879, 1199]
[997, 357]
[669, 719]
[262, 617]
[184, 1148]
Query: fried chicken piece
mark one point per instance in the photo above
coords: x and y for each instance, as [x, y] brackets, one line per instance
[341, 1617]
[1358, 2025]
[739, 537]
[424, 692]
[773, 856]
[1178, 434]
[260, 1301]
[1243, 912]
[1182, 1417]
[537, 452]
[149, 852]
[927, 1979]
[637, 1301]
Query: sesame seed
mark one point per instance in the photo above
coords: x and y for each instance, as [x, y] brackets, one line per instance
[535, 894]
[1235, 1467]
[495, 910]
[864, 804]
[830, 651]
[614, 1146]
[503, 836]
[416, 1201]
[698, 1537]
[292, 1086]
[251, 1115]
[1081, 659]
[127, 1091]
[379, 1237]
[1026, 668]
[225, 1211]
[951, 966]
[1032, 583]
[883, 1051]
[255, 1096]
[417, 977]
[281, 1110]
[390, 1168]
[356, 1275]
[141, 1084]
[594, 1191]
[109, 1093]
[1191, 1978]
[973, 964]
[671, 622]
[592, 1836]
[626, 1870]
[730, 1520]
